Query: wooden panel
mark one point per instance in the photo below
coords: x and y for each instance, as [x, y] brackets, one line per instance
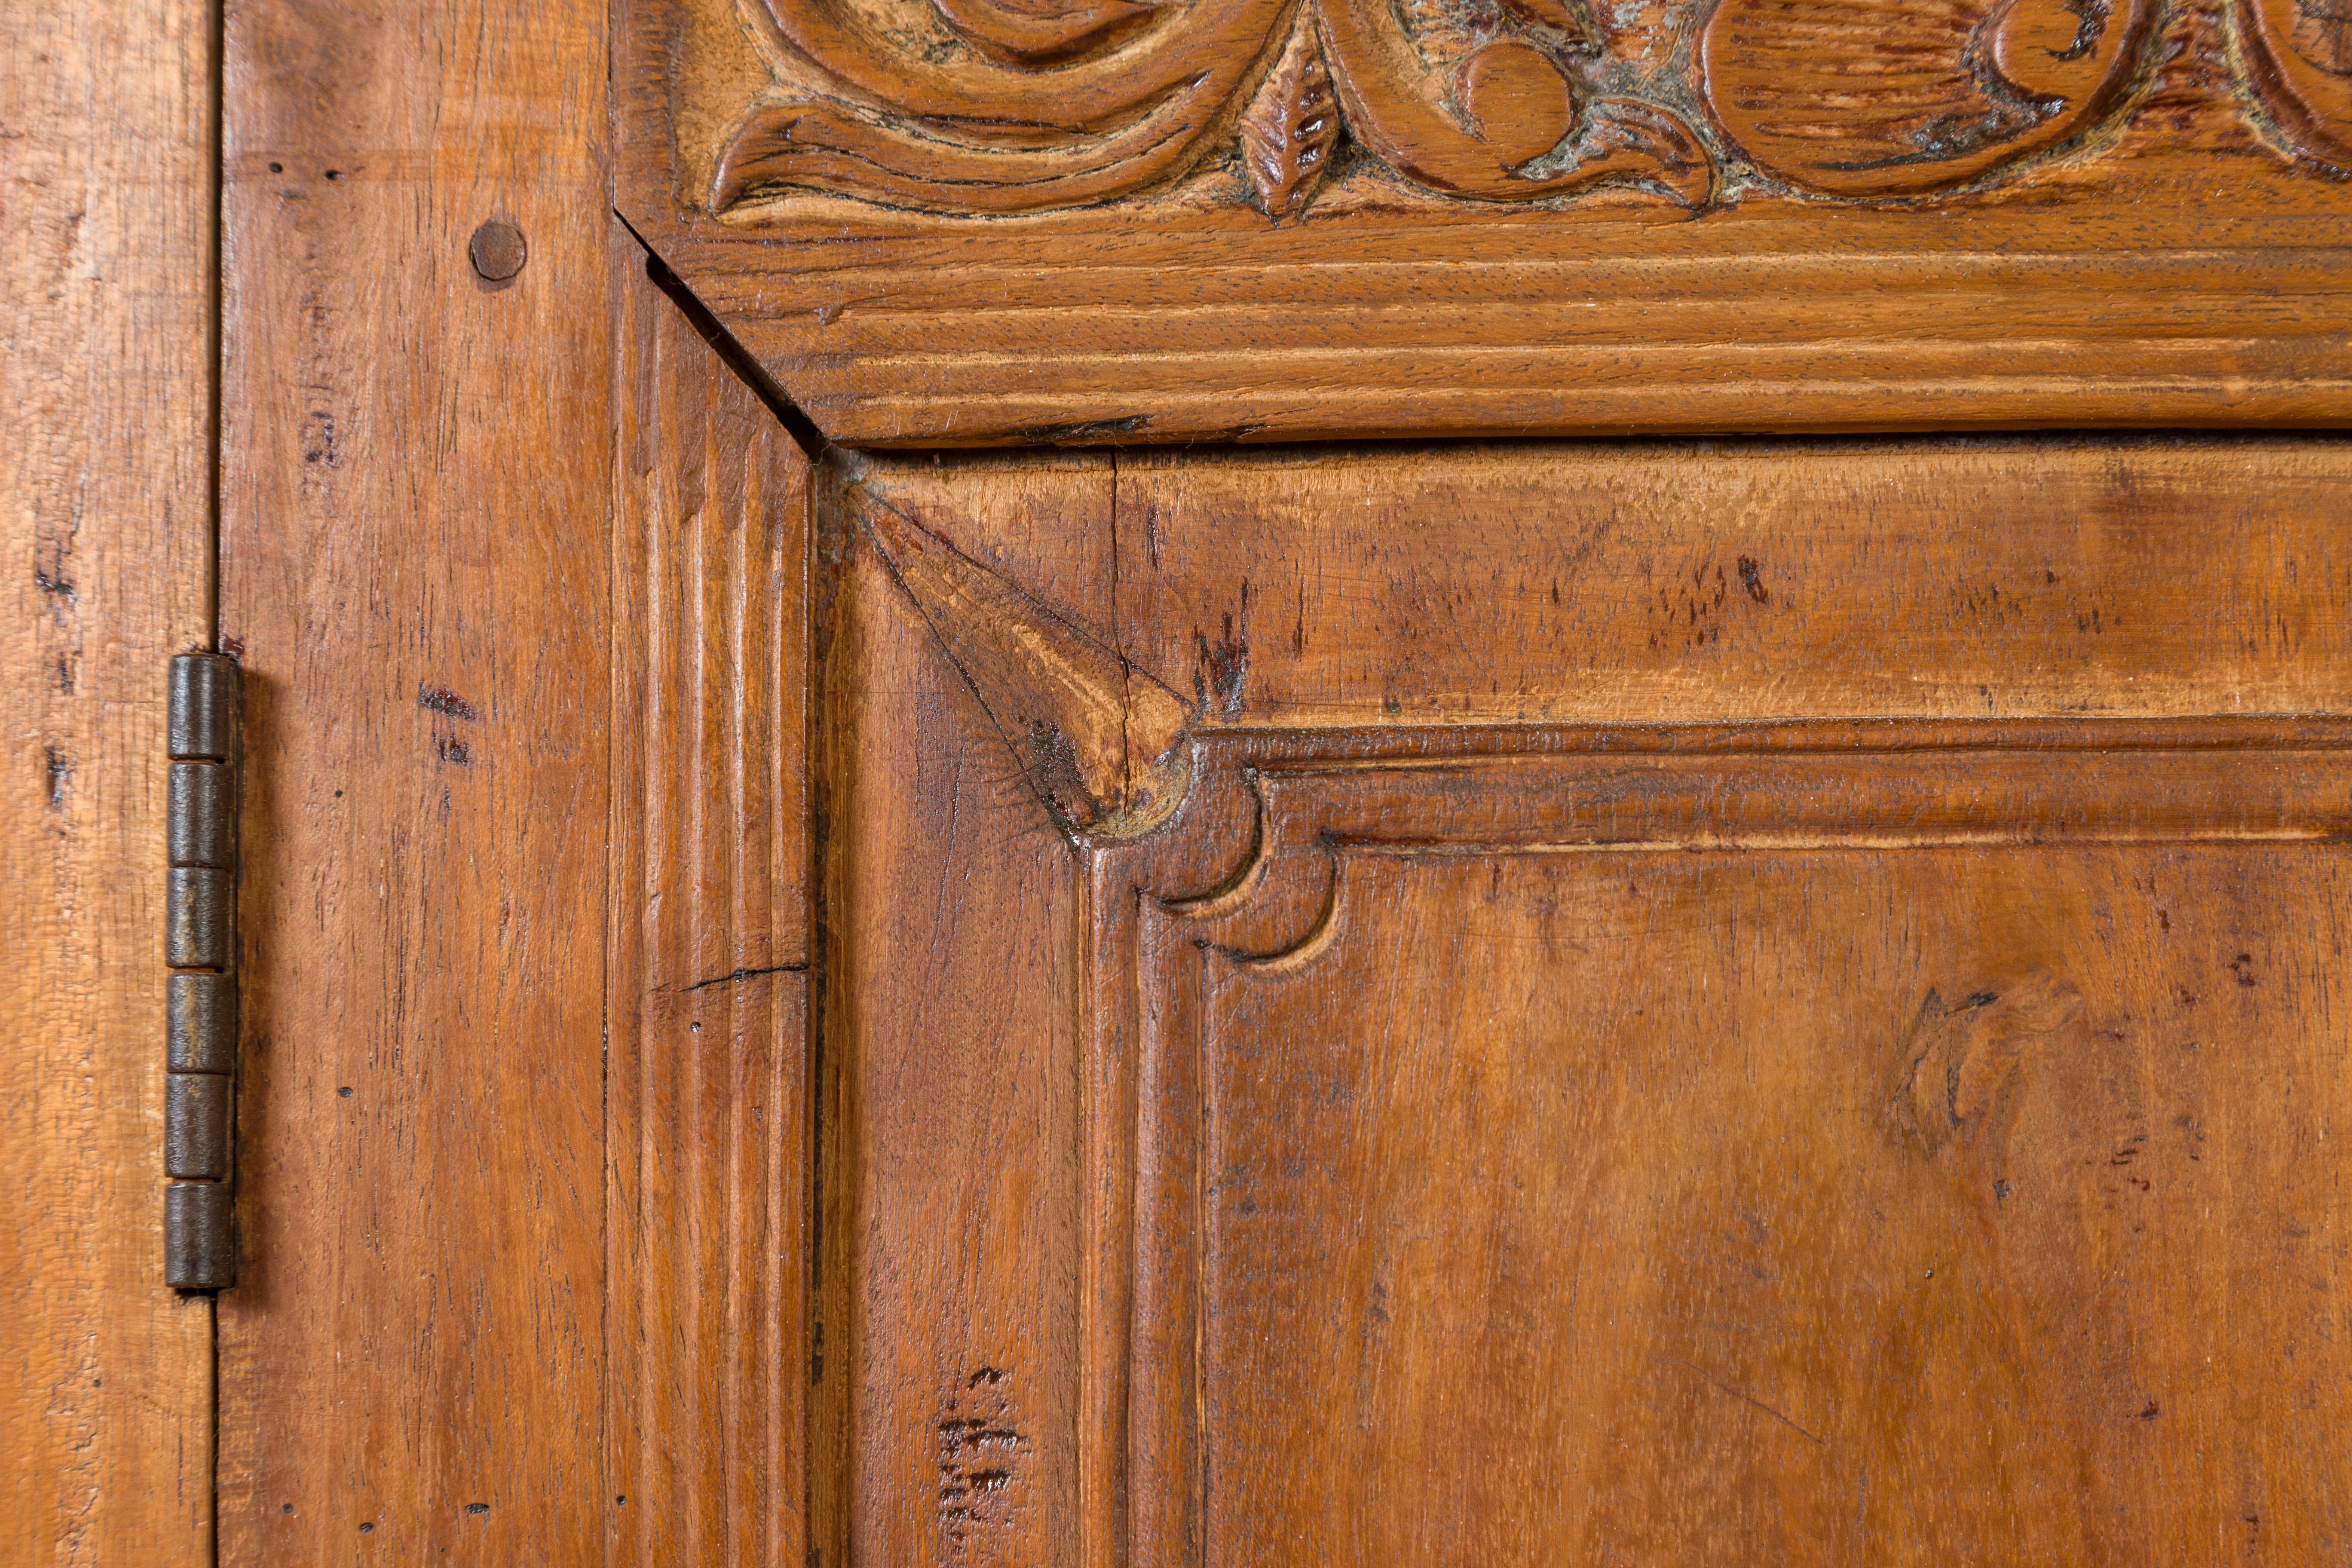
[1645, 584]
[105, 368]
[708, 1096]
[1847, 1204]
[946, 1413]
[416, 488]
[986, 223]
[1694, 1100]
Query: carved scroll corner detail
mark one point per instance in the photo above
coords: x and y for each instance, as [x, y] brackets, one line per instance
[1107, 747]
[1274, 904]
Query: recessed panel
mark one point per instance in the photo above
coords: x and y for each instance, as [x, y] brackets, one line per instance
[1837, 1205]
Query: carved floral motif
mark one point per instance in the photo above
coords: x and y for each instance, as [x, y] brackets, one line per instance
[1060, 102]
[1009, 106]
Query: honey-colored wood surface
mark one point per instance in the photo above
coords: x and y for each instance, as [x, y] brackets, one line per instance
[1827, 1051]
[706, 1097]
[981, 223]
[106, 1420]
[1933, 1180]
[417, 490]
[945, 1409]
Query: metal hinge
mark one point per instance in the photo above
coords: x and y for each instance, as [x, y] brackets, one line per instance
[200, 946]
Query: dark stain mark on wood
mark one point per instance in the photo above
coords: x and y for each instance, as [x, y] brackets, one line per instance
[1691, 611]
[979, 1456]
[1751, 577]
[1221, 673]
[441, 699]
[743, 974]
[2243, 967]
[1084, 432]
[60, 769]
[319, 439]
[453, 752]
[53, 579]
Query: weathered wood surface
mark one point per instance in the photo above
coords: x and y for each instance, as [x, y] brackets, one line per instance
[416, 491]
[105, 1374]
[975, 223]
[1699, 1005]
[707, 1123]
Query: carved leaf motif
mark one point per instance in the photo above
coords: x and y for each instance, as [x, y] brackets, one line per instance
[1291, 127]
[1071, 102]
[1889, 98]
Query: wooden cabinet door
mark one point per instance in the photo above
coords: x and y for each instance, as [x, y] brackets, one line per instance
[1554, 1004]
[1289, 783]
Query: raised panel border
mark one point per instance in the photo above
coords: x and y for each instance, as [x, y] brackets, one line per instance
[1252, 875]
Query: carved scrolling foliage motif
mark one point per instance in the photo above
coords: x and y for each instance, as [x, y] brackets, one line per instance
[1059, 102]
[2299, 53]
[1007, 106]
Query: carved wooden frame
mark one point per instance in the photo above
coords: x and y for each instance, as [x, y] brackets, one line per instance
[948, 222]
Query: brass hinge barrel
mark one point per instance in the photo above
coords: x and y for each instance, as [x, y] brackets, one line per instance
[200, 947]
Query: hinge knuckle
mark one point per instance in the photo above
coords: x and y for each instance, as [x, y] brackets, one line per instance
[199, 1246]
[203, 720]
[199, 914]
[200, 1023]
[200, 816]
[195, 1126]
[200, 829]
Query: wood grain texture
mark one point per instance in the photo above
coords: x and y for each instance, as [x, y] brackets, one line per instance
[945, 1410]
[106, 1419]
[1993, 578]
[707, 1108]
[1791, 215]
[1923, 1178]
[1827, 1050]
[416, 488]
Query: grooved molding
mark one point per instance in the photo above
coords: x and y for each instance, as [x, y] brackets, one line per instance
[978, 222]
